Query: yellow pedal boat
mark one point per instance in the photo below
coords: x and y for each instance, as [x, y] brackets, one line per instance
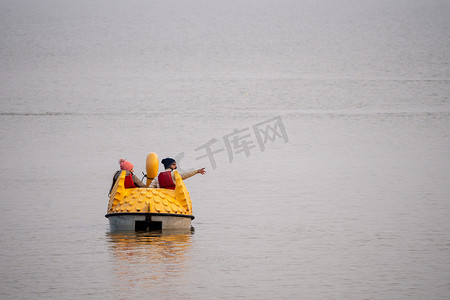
[149, 208]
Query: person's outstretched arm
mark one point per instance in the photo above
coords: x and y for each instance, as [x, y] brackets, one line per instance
[189, 173]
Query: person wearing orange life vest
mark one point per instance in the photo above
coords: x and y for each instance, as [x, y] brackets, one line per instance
[166, 179]
[131, 181]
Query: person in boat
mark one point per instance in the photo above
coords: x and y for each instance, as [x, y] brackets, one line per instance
[131, 181]
[166, 179]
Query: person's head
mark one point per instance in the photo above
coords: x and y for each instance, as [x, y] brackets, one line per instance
[126, 165]
[169, 163]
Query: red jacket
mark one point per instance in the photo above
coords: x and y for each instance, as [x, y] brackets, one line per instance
[165, 180]
[129, 184]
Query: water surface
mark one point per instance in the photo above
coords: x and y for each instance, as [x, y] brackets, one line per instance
[353, 205]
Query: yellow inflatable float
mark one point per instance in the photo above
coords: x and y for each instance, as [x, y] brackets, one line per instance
[149, 208]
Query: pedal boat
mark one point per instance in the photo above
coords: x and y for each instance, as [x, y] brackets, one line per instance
[145, 209]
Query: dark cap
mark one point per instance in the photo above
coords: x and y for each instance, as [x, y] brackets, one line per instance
[167, 162]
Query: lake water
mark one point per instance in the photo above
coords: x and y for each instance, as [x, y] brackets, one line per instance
[350, 201]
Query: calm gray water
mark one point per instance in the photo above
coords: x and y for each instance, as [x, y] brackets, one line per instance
[350, 202]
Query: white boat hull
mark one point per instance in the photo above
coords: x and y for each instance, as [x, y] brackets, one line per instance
[147, 221]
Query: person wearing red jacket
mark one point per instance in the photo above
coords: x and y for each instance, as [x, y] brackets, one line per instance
[131, 180]
[166, 179]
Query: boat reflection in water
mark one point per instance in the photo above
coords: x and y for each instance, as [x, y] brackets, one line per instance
[149, 263]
